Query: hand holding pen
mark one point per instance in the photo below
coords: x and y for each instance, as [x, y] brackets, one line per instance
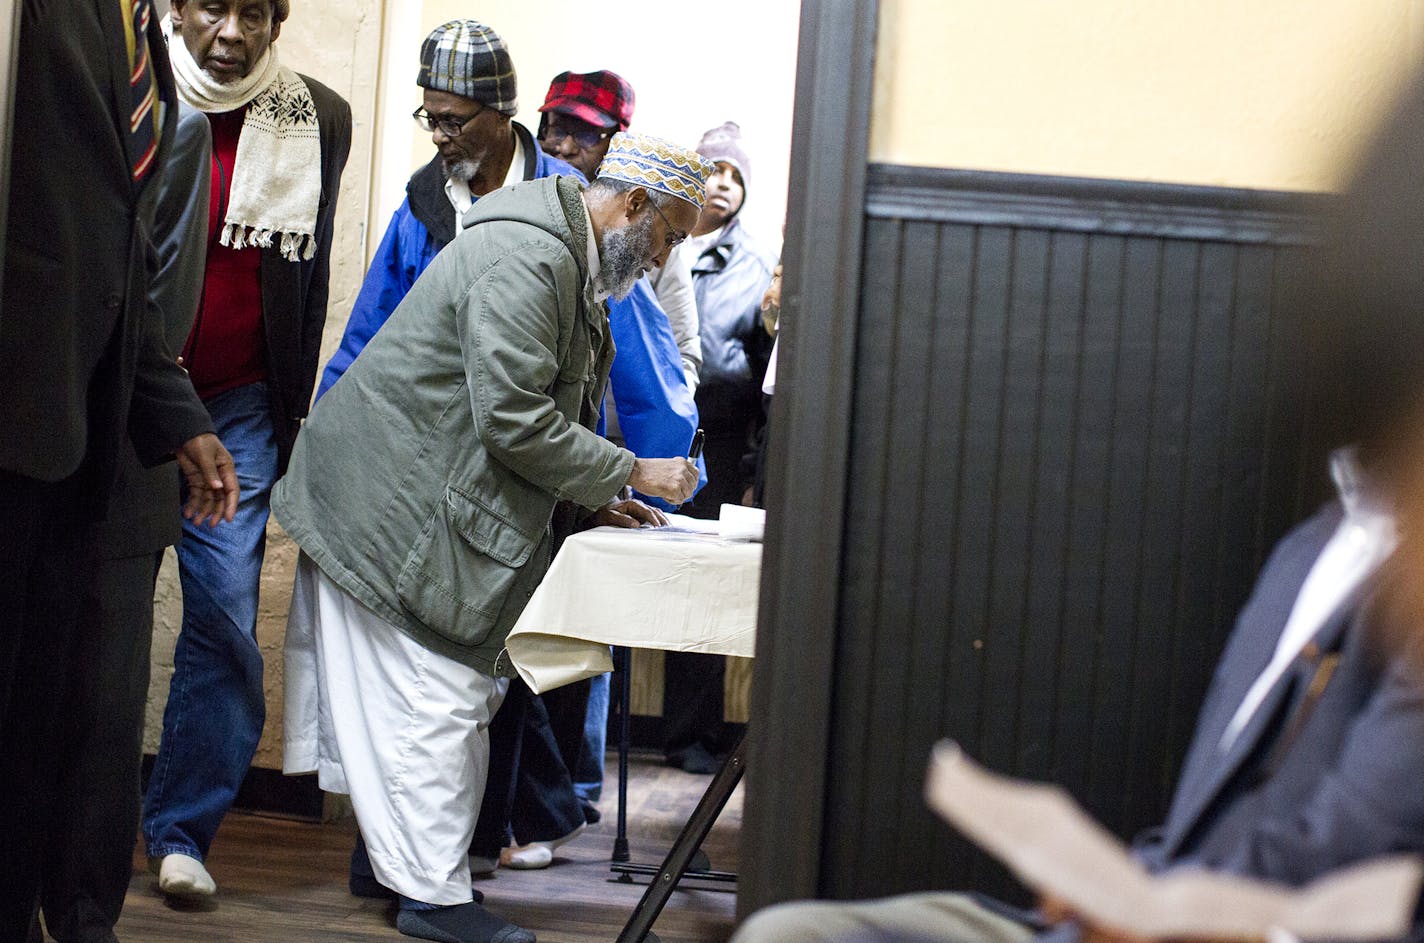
[672, 479]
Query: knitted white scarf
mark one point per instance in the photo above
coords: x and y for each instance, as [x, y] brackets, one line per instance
[276, 183]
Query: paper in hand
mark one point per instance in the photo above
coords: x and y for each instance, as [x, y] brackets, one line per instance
[1052, 845]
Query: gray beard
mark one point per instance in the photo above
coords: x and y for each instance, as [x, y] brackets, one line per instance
[464, 170]
[623, 255]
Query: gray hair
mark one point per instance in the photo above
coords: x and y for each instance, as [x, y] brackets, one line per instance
[610, 186]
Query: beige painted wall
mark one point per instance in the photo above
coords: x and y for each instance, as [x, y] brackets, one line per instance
[692, 66]
[336, 42]
[1269, 93]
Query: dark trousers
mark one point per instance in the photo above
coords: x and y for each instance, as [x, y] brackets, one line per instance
[91, 838]
[693, 703]
[529, 789]
[42, 563]
[567, 709]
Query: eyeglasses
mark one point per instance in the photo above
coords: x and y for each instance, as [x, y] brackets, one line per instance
[449, 126]
[674, 236]
[585, 138]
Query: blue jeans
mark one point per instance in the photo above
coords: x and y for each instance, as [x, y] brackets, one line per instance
[216, 705]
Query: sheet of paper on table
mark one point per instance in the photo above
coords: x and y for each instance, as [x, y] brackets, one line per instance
[1055, 848]
[734, 523]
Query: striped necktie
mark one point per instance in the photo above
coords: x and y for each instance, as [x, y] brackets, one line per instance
[143, 119]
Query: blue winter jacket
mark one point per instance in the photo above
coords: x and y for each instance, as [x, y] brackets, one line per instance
[422, 226]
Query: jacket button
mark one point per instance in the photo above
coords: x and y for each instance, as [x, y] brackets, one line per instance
[115, 302]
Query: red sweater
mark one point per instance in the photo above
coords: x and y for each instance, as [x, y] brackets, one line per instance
[225, 349]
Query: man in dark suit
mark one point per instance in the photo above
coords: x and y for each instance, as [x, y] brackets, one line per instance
[279, 144]
[85, 375]
[89, 849]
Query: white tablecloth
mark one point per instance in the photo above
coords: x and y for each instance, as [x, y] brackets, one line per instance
[663, 588]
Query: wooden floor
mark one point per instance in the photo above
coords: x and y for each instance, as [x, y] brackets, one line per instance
[284, 880]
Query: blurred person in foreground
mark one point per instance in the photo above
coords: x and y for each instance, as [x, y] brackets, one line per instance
[422, 494]
[89, 851]
[1309, 747]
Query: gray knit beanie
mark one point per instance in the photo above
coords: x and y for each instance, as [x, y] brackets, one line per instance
[724, 143]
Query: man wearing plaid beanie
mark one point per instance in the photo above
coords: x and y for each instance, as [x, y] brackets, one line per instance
[468, 107]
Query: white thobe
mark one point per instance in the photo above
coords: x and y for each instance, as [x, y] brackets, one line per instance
[401, 729]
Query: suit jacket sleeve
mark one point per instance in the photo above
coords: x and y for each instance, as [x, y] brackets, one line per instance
[165, 412]
[180, 226]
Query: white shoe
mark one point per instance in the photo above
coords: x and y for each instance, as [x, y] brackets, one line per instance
[184, 876]
[536, 854]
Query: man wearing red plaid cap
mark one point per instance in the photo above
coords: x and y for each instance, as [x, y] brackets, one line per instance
[581, 111]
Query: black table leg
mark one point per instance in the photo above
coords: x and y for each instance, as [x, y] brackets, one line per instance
[622, 663]
[689, 840]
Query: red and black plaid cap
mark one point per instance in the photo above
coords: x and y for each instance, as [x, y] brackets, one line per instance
[603, 99]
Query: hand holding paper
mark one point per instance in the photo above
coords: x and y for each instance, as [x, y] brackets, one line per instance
[1055, 848]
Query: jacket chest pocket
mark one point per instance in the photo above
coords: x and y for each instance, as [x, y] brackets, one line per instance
[463, 565]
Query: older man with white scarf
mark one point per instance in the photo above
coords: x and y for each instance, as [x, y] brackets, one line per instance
[280, 142]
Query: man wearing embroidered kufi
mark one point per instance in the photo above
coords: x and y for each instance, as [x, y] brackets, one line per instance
[422, 492]
[279, 144]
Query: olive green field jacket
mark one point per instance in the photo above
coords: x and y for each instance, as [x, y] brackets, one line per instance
[424, 480]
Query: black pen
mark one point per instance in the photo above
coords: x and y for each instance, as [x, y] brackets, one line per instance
[693, 451]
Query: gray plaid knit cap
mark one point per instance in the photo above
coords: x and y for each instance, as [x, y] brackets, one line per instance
[469, 59]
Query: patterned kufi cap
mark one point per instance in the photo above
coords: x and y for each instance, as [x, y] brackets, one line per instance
[658, 165]
[469, 59]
